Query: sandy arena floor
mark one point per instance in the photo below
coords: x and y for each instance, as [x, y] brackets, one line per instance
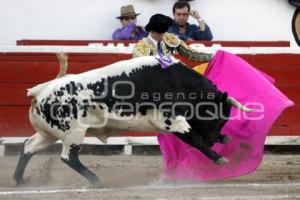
[138, 177]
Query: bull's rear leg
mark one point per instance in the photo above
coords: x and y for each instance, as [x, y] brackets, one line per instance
[70, 157]
[30, 146]
[22, 163]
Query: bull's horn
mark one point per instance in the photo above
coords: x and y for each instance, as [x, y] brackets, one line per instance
[238, 105]
[63, 64]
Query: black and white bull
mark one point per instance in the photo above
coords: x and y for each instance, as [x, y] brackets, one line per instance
[131, 95]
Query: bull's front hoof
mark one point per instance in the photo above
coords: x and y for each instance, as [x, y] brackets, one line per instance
[221, 161]
[226, 139]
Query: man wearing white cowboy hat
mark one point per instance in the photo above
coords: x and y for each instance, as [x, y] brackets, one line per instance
[129, 30]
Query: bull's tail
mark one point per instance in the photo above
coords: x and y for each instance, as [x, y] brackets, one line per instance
[238, 105]
[63, 64]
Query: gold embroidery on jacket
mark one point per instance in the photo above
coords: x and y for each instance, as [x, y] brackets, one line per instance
[153, 50]
[171, 40]
[142, 48]
[191, 54]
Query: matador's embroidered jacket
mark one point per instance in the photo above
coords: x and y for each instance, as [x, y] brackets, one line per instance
[170, 44]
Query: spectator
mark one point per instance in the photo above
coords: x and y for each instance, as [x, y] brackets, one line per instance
[184, 30]
[163, 43]
[129, 30]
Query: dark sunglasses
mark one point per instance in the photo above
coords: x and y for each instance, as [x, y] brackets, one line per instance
[128, 18]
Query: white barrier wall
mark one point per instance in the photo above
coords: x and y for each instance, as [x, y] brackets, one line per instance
[95, 19]
[121, 48]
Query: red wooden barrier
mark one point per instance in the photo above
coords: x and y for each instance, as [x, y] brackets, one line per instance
[23, 70]
[25, 42]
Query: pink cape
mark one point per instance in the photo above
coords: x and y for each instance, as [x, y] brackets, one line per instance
[245, 151]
